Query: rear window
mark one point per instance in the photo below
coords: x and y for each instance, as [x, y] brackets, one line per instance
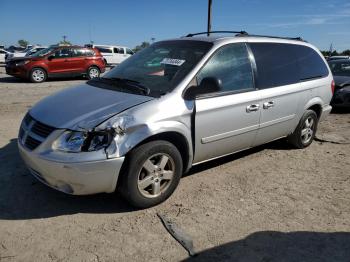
[283, 64]
[276, 64]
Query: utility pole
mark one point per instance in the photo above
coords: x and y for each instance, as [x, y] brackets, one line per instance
[209, 17]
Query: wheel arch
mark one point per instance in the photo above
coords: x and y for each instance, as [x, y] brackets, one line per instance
[38, 67]
[176, 138]
[317, 108]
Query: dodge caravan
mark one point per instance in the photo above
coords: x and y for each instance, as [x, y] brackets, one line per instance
[143, 124]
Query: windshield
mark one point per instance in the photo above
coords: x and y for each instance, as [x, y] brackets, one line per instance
[43, 52]
[340, 68]
[158, 68]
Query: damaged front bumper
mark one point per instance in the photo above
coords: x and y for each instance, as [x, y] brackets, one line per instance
[74, 177]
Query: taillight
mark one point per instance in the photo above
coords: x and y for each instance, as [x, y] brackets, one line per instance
[332, 86]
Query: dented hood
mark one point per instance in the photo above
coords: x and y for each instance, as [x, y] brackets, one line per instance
[83, 106]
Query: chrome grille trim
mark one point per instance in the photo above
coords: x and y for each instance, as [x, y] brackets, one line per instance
[32, 132]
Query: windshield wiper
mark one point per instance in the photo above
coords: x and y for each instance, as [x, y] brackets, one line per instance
[130, 83]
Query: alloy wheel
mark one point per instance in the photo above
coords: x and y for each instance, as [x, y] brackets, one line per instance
[308, 130]
[156, 175]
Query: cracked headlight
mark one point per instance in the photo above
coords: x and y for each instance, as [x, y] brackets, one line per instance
[74, 142]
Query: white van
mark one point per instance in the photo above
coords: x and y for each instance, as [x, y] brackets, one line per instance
[113, 54]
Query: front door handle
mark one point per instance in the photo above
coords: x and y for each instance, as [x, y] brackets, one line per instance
[254, 107]
[269, 104]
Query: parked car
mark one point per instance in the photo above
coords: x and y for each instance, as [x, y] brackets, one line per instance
[140, 127]
[337, 57]
[3, 54]
[25, 52]
[113, 54]
[341, 72]
[14, 48]
[63, 61]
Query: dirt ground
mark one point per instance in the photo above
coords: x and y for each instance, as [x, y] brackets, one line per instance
[271, 203]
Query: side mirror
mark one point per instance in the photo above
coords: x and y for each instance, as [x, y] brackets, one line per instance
[207, 85]
[50, 57]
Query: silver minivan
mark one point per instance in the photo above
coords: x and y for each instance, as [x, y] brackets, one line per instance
[173, 105]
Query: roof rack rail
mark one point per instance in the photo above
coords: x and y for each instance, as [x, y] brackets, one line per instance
[278, 37]
[216, 32]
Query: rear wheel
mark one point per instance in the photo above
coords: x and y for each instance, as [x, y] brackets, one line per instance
[305, 132]
[152, 175]
[37, 75]
[93, 72]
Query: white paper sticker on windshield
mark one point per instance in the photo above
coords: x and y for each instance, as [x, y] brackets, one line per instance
[173, 61]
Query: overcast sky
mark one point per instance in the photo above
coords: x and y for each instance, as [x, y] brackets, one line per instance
[130, 22]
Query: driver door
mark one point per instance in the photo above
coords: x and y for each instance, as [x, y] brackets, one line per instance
[60, 61]
[227, 121]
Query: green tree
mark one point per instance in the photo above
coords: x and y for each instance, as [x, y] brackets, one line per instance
[142, 46]
[23, 43]
[346, 52]
[65, 42]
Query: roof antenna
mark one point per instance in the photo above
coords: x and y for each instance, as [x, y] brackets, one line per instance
[209, 17]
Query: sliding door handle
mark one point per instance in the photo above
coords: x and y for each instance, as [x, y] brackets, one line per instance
[252, 108]
[269, 104]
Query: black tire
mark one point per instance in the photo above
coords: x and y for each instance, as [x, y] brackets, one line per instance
[297, 139]
[136, 160]
[93, 70]
[37, 75]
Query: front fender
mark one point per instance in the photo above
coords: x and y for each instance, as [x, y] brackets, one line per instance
[134, 135]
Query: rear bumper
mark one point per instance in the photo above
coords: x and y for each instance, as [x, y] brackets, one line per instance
[76, 178]
[326, 110]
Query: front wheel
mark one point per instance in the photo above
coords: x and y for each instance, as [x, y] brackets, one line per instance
[152, 175]
[305, 132]
[93, 72]
[37, 75]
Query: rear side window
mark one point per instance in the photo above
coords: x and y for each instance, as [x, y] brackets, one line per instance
[276, 64]
[310, 63]
[118, 50]
[231, 64]
[104, 49]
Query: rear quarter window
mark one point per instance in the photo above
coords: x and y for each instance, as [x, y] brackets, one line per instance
[310, 63]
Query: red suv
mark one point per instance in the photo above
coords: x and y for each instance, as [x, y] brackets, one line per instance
[62, 61]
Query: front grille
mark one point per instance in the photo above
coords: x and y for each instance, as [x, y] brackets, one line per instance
[32, 143]
[32, 132]
[41, 129]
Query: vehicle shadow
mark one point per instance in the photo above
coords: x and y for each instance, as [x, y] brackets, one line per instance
[280, 144]
[269, 246]
[23, 197]
[12, 79]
